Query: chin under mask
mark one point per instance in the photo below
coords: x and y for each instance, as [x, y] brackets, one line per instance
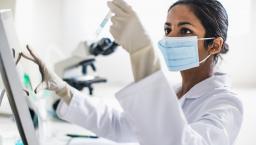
[181, 53]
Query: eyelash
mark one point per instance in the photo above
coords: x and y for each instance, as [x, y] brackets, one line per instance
[167, 31]
[183, 31]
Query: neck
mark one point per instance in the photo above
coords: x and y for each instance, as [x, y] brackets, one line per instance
[194, 76]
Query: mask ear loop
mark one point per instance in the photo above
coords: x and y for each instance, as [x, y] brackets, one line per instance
[210, 38]
[202, 61]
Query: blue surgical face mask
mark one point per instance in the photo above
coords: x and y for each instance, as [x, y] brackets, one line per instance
[181, 53]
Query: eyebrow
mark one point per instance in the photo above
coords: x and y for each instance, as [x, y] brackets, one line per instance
[179, 24]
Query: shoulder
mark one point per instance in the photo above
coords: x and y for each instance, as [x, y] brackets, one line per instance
[218, 101]
[225, 97]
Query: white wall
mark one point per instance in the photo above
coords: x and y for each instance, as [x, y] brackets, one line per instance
[81, 18]
[240, 61]
[38, 24]
[55, 27]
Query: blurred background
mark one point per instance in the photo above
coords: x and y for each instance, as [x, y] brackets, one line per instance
[56, 27]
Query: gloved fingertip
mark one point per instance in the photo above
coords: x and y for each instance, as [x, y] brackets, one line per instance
[122, 4]
[28, 47]
[109, 4]
[39, 87]
[26, 91]
[116, 1]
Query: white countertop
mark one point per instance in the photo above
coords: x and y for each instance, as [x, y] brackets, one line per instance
[58, 129]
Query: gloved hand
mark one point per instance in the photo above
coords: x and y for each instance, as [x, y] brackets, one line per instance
[50, 80]
[128, 32]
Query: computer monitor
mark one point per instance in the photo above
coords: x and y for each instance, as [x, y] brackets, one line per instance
[12, 82]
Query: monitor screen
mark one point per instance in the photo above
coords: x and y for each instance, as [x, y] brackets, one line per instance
[11, 80]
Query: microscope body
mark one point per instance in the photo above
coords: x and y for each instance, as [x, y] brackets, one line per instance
[85, 56]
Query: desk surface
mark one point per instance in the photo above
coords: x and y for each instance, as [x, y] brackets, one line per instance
[9, 131]
[58, 129]
[57, 133]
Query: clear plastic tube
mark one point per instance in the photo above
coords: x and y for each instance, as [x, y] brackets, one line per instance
[103, 23]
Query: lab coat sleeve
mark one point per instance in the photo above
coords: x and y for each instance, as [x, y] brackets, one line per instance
[97, 117]
[151, 106]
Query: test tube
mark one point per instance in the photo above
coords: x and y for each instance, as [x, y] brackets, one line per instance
[103, 23]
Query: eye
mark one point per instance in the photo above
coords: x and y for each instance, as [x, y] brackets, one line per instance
[186, 31]
[167, 31]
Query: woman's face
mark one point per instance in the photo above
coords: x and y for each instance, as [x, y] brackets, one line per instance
[181, 22]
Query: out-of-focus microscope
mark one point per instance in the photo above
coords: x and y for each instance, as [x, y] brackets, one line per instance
[84, 57]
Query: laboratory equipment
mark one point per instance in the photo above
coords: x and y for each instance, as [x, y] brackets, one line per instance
[85, 80]
[103, 24]
[84, 56]
[10, 77]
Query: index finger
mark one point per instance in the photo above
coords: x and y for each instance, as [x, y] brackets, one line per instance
[115, 9]
[123, 5]
[32, 53]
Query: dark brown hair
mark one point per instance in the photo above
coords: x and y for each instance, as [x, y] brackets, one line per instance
[213, 17]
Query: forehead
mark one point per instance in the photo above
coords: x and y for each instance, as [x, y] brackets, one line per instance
[182, 13]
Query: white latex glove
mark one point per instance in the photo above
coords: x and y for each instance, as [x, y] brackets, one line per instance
[128, 32]
[50, 80]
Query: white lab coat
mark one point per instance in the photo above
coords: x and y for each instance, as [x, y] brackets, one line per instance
[208, 114]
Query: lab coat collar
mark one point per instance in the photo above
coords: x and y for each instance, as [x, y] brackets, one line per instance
[218, 80]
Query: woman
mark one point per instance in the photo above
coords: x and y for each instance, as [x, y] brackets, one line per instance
[203, 110]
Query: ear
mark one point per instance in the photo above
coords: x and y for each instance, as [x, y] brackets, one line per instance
[216, 46]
